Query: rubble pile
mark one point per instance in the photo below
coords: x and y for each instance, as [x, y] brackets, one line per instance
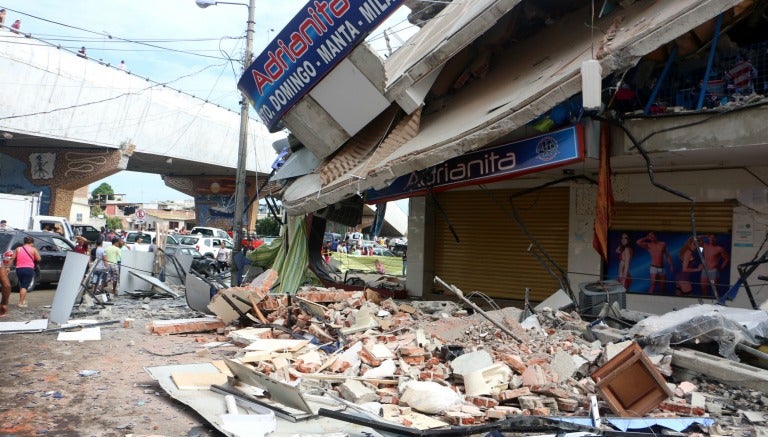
[428, 365]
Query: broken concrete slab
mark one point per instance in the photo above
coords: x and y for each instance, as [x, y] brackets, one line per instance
[721, 369]
[357, 392]
[556, 301]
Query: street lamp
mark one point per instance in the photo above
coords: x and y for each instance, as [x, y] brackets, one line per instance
[242, 150]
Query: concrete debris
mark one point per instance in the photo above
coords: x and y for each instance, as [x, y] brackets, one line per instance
[427, 365]
[182, 326]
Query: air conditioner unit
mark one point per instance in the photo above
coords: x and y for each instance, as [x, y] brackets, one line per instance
[595, 294]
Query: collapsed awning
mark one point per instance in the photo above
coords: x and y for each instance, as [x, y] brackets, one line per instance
[532, 77]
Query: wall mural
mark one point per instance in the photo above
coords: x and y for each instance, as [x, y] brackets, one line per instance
[42, 165]
[216, 210]
[13, 181]
[666, 263]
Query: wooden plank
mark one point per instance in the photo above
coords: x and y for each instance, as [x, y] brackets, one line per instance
[198, 381]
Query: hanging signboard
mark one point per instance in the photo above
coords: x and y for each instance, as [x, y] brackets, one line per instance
[553, 149]
[314, 41]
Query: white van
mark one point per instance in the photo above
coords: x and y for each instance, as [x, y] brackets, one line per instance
[52, 223]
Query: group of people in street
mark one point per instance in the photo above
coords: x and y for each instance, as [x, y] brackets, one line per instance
[692, 270]
[25, 258]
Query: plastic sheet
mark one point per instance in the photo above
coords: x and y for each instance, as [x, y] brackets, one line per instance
[705, 323]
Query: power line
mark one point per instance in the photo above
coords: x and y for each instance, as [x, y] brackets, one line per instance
[104, 34]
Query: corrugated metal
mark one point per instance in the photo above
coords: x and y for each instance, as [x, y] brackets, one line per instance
[492, 256]
[673, 217]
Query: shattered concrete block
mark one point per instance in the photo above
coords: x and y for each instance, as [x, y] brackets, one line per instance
[551, 405]
[355, 391]
[613, 349]
[697, 400]
[563, 365]
[529, 402]
[713, 407]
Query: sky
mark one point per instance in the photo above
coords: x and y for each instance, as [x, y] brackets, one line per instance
[165, 40]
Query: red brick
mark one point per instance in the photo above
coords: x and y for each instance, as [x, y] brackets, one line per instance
[495, 414]
[540, 411]
[515, 362]
[506, 395]
[414, 360]
[567, 405]
[482, 401]
[682, 409]
[459, 419]
[411, 351]
[367, 357]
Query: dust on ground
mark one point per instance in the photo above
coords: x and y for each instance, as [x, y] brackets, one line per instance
[43, 392]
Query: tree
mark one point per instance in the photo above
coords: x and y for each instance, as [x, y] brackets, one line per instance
[267, 227]
[114, 223]
[103, 192]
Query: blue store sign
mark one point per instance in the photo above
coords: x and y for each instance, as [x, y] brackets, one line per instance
[551, 150]
[307, 49]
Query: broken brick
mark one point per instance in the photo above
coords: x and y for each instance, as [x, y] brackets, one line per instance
[507, 395]
[482, 401]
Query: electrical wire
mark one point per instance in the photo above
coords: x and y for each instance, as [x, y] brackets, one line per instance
[109, 36]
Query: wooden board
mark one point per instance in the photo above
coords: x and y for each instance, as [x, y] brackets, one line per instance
[198, 381]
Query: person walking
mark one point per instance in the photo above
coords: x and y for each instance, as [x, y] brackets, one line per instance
[222, 258]
[112, 256]
[25, 257]
[99, 274]
[5, 282]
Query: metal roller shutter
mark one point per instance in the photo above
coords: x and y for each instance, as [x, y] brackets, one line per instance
[492, 256]
[673, 217]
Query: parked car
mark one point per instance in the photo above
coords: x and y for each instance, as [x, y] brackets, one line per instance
[89, 232]
[146, 239]
[201, 264]
[208, 246]
[53, 250]
[210, 232]
[380, 251]
[399, 249]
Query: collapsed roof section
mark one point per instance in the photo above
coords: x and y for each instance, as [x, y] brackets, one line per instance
[475, 73]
